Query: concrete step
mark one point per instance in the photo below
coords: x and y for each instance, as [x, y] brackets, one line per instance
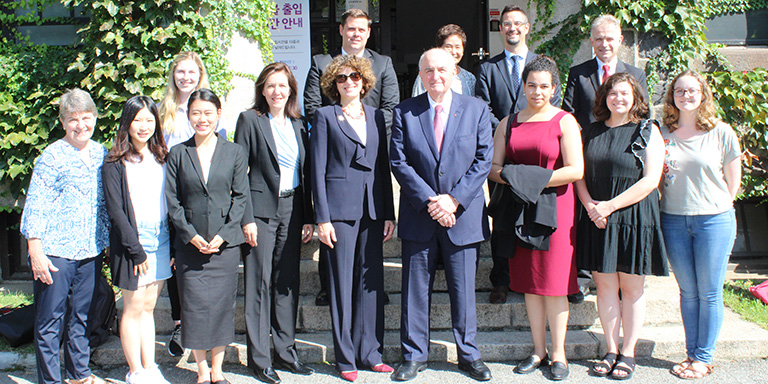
[310, 282]
[739, 340]
[392, 248]
[661, 301]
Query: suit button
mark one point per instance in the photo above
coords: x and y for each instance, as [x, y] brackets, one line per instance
[205, 194]
[442, 173]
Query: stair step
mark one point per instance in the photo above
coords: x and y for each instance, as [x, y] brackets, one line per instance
[739, 340]
[661, 301]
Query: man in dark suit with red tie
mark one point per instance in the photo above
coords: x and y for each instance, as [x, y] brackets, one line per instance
[441, 153]
[583, 81]
[585, 78]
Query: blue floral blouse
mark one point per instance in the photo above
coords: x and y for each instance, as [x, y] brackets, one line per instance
[65, 205]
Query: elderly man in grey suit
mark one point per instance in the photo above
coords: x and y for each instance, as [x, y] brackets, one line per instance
[583, 81]
[355, 29]
[500, 84]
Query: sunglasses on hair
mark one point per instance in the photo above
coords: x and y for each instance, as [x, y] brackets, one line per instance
[342, 78]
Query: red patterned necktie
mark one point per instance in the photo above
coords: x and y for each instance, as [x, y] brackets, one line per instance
[606, 68]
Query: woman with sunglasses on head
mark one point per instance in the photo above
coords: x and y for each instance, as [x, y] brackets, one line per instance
[702, 174]
[354, 211]
[206, 188]
[140, 247]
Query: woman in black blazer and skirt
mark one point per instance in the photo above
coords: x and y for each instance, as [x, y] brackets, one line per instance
[352, 192]
[275, 138]
[133, 176]
[207, 191]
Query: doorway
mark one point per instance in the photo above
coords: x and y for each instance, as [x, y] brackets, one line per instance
[415, 24]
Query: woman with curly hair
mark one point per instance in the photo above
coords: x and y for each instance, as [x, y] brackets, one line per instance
[702, 174]
[354, 211]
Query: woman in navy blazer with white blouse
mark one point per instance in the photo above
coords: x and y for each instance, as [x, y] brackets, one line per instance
[354, 210]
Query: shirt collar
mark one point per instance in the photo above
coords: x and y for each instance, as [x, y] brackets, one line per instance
[509, 54]
[362, 52]
[446, 102]
[611, 65]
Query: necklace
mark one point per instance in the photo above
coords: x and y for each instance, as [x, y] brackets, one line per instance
[360, 112]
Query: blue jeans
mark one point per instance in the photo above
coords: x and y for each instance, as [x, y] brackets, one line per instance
[698, 248]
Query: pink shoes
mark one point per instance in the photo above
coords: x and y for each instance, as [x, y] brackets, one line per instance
[383, 368]
[349, 375]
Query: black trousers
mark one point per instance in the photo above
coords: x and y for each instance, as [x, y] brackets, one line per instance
[499, 275]
[272, 285]
[356, 292]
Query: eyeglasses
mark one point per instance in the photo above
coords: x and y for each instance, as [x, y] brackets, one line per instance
[690, 92]
[518, 24]
[342, 78]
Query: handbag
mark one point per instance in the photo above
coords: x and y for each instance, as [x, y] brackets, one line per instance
[18, 325]
[760, 291]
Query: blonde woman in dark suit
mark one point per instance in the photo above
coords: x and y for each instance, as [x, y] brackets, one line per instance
[207, 192]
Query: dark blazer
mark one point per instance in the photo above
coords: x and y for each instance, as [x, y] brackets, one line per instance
[495, 87]
[254, 134]
[345, 173]
[583, 81]
[124, 248]
[207, 209]
[460, 169]
[383, 96]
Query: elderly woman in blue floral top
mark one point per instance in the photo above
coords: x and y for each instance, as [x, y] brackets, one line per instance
[66, 225]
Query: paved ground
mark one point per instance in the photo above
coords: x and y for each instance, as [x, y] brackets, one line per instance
[651, 371]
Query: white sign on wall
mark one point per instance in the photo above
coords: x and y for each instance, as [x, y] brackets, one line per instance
[359, 4]
[290, 36]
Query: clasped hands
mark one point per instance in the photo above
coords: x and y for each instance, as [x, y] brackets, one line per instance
[443, 208]
[207, 247]
[599, 211]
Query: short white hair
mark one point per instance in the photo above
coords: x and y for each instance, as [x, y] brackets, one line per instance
[604, 19]
[439, 51]
[75, 101]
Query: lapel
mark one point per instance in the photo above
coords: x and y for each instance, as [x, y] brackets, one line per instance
[195, 160]
[217, 159]
[502, 67]
[452, 125]
[344, 125]
[426, 125]
[372, 133]
[595, 76]
[265, 128]
[620, 67]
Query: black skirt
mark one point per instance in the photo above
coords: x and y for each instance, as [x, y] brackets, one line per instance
[207, 289]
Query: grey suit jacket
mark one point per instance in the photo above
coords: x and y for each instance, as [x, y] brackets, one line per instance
[495, 87]
[212, 208]
[583, 81]
[383, 96]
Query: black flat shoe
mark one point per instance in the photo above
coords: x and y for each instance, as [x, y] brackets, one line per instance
[530, 364]
[476, 370]
[559, 370]
[408, 370]
[296, 367]
[322, 300]
[267, 375]
[174, 344]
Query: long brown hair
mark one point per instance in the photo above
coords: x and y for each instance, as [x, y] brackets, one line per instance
[123, 147]
[639, 109]
[260, 102]
[706, 119]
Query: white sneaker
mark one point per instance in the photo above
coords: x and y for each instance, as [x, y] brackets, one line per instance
[134, 378]
[154, 376]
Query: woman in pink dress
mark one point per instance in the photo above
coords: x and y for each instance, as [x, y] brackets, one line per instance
[547, 138]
